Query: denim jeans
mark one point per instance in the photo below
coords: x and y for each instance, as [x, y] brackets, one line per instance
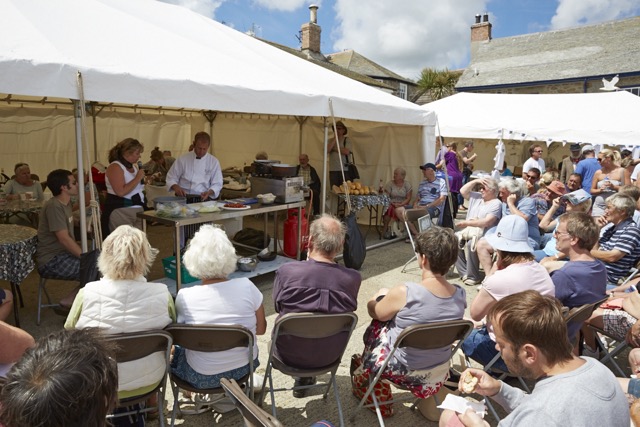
[480, 347]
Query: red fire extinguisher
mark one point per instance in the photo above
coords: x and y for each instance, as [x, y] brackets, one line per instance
[291, 233]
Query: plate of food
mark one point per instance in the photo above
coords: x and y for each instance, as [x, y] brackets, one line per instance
[235, 207]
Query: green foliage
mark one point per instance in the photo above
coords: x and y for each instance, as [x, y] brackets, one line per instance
[438, 83]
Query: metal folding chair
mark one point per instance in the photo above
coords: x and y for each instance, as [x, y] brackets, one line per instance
[310, 326]
[136, 345]
[212, 339]
[253, 415]
[424, 220]
[426, 336]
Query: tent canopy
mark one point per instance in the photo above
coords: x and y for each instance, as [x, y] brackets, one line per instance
[145, 52]
[595, 118]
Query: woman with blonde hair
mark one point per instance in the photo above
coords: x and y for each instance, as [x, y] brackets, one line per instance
[123, 301]
[124, 180]
[211, 257]
[608, 180]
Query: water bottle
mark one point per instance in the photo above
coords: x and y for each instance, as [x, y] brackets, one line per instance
[380, 187]
[606, 184]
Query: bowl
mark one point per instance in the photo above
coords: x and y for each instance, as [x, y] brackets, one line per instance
[247, 264]
[267, 199]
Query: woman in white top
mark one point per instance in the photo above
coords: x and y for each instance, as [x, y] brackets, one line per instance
[124, 180]
[219, 300]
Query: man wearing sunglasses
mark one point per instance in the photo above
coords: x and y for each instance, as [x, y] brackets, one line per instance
[531, 179]
[535, 161]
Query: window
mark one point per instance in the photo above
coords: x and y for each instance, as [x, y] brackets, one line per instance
[402, 90]
[633, 90]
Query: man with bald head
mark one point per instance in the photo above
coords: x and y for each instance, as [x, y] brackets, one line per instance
[317, 285]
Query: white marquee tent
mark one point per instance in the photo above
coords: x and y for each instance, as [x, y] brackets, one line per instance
[594, 118]
[153, 69]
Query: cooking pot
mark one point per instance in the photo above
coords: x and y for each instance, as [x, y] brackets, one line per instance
[280, 170]
[261, 167]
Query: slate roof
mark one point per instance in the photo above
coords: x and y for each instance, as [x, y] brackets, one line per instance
[353, 61]
[362, 78]
[598, 50]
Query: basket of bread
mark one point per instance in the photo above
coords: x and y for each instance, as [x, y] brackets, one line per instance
[355, 189]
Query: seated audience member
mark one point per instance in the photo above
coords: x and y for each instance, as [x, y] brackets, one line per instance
[485, 210]
[545, 198]
[124, 180]
[400, 192]
[513, 203]
[22, 183]
[211, 257]
[58, 253]
[619, 246]
[634, 192]
[310, 179]
[548, 255]
[505, 171]
[532, 336]
[606, 181]
[158, 167]
[619, 320]
[68, 379]
[123, 301]
[514, 263]
[15, 342]
[531, 181]
[168, 158]
[583, 279]
[432, 193]
[6, 303]
[574, 182]
[317, 285]
[570, 163]
[546, 179]
[433, 299]
[628, 164]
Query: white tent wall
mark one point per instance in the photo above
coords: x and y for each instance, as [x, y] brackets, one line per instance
[44, 137]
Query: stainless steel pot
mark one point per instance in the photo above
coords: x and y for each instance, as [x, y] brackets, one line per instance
[283, 171]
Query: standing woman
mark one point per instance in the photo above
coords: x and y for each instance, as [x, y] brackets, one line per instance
[335, 174]
[124, 180]
[454, 170]
[400, 193]
[608, 180]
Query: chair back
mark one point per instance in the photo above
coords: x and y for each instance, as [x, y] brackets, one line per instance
[314, 325]
[136, 345]
[428, 336]
[210, 338]
[253, 415]
[413, 215]
[583, 312]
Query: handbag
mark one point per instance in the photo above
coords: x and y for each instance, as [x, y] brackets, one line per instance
[352, 168]
[360, 383]
[89, 267]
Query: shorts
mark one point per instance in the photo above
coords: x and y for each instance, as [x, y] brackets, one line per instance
[617, 323]
[63, 266]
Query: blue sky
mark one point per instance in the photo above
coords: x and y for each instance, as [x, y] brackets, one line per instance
[407, 35]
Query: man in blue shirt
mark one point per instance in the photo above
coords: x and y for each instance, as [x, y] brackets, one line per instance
[587, 167]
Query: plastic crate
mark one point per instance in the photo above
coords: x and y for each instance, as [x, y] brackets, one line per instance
[169, 265]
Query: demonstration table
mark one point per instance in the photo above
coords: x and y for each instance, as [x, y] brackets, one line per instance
[26, 209]
[17, 247]
[372, 202]
[202, 218]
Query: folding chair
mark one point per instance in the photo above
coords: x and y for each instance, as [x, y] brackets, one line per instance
[253, 415]
[136, 345]
[424, 220]
[42, 288]
[426, 336]
[313, 326]
[619, 346]
[210, 339]
[581, 313]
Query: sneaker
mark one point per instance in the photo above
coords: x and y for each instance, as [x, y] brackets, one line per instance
[304, 381]
[387, 235]
[471, 282]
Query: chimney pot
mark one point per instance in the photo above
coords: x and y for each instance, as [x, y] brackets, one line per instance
[477, 18]
[313, 14]
[485, 17]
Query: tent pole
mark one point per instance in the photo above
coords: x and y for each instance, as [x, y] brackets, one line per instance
[95, 131]
[210, 116]
[83, 209]
[324, 167]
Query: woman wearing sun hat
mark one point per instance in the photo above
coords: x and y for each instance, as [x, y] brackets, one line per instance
[517, 272]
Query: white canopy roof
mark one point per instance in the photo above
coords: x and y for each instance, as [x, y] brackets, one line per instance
[146, 52]
[595, 118]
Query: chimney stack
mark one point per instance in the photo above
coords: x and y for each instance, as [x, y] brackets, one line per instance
[481, 31]
[311, 33]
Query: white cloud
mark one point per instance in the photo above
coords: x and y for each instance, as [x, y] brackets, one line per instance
[571, 13]
[285, 5]
[405, 35]
[203, 7]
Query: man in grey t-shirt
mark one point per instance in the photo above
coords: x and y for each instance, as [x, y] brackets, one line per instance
[532, 336]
